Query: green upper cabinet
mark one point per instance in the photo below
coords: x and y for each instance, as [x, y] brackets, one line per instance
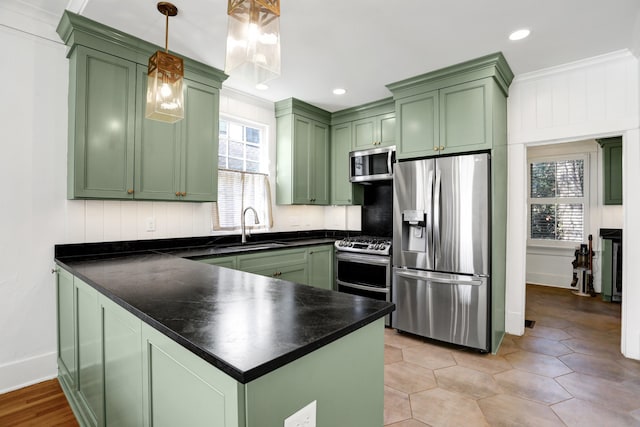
[114, 151]
[343, 192]
[373, 132]
[302, 154]
[465, 117]
[612, 170]
[101, 125]
[454, 110]
[418, 129]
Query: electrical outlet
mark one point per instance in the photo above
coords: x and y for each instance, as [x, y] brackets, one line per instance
[151, 224]
[305, 417]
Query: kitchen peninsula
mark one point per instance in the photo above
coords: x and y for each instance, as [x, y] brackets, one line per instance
[149, 338]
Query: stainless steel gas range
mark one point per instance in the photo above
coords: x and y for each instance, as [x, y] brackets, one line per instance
[363, 267]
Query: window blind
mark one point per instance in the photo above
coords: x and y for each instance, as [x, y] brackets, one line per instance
[237, 191]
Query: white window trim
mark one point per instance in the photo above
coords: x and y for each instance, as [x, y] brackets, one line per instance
[543, 243]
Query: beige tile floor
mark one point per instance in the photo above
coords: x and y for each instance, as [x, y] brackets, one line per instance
[565, 371]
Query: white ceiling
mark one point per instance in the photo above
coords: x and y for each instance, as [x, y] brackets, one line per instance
[362, 45]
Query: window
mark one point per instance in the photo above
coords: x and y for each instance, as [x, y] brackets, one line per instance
[242, 177]
[557, 200]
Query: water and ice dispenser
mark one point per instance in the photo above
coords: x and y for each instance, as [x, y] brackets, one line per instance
[414, 230]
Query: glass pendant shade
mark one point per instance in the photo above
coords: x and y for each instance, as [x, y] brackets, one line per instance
[253, 40]
[165, 99]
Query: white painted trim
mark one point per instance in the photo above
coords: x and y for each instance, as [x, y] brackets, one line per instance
[618, 55]
[22, 373]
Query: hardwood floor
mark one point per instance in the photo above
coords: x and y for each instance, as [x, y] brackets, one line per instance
[42, 404]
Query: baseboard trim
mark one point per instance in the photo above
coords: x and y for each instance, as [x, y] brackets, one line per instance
[26, 372]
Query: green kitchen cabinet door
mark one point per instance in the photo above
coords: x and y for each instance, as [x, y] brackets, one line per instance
[222, 261]
[287, 264]
[374, 132]
[417, 131]
[199, 143]
[122, 353]
[319, 165]
[297, 273]
[157, 151]
[302, 154]
[181, 389]
[67, 369]
[90, 372]
[465, 117]
[321, 266]
[612, 170]
[343, 192]
[101, 125]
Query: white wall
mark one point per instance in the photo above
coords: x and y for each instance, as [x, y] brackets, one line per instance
[576, 101]
[35, 214]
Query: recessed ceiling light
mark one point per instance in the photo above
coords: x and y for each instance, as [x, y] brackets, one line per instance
[262, 86]
[519, 34]
[339, 91]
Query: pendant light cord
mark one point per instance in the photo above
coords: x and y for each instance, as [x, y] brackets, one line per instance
[166, 33]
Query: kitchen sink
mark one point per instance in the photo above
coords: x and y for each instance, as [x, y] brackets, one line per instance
[257, 246]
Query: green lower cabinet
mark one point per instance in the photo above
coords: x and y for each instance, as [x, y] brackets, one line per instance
[344, 378]
[66, 329]
[184, 390]
[321, 267]
[123, 384]
[308, 266]
[90, 370]
[222, 261]
[132, 375]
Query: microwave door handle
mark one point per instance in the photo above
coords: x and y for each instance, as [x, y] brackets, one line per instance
[389, 161]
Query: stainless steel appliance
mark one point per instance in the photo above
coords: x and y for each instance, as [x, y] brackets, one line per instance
[363, 263]
[371, 165]
[363, 267]
[441, 249]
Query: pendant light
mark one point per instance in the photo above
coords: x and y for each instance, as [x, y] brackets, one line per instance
[253, 40]
[165, 101]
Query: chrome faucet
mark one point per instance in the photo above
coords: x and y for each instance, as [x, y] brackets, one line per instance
[242, 225]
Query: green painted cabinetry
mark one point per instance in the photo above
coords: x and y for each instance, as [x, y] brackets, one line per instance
[611, 170]
[302, 154]
[343, 192]
[114, 151]
[65, 298]
[133, 375]
[461, 109]
[101, 125]
[311, 265]
[373, 132]
[321, 267]
[452, 110]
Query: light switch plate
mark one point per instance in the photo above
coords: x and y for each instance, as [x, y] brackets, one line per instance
[305, 417]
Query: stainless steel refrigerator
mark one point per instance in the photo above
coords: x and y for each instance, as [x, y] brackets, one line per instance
[441, 249]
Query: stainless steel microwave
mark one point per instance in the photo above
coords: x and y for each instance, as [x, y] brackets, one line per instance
[372, 165]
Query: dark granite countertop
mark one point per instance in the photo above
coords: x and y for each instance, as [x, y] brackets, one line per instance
[244, 324]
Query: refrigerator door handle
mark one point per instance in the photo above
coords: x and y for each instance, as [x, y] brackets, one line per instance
[459, 280]
[436, 214]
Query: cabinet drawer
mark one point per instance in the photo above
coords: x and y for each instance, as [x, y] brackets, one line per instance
[252, 262]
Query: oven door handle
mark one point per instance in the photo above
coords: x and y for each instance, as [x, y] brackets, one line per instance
[368, 259]
[364, 288]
